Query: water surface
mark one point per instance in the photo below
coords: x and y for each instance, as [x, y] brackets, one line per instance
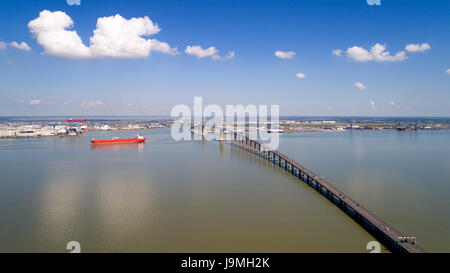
[195, 196]
[403, 177]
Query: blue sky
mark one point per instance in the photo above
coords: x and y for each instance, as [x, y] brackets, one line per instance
[40, 81]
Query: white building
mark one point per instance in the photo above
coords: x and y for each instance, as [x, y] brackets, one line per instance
[105, 127]
[7, 132]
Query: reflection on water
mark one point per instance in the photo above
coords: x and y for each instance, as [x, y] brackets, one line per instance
[201, 196]
[125, 204]
[60, 209]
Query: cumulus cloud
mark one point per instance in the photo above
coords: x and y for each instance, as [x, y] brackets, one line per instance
[300, 75]
[359, 54]
[337, 52]
[20, 46]
[199, 52]
[95, 103]
[49, 29]
[118, 37]
[377, 53]
[417, 47]
[114, 37]
[285, 54]
[372, 105]
[360, 85]
[380, 55]
[447, 71]
[210, 52]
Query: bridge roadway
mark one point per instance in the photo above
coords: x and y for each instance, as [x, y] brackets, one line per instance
[393, 240]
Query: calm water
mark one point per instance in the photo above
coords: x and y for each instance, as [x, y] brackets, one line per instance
[166, 196]
[403, 177]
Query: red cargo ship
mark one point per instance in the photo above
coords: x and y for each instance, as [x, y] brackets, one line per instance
[116, 140]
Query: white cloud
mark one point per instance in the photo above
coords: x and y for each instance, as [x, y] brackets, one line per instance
[331, 108]
[227, 57]
[199, 52]
[164, 47]
[95, 103]
[118, 37]
[230, 55]
[417, 47]
[35, 102]
[380, 55]
[300, 75]
[377, 53]
[372, 105]
[211, 52]
[447, 71]
[285, 54]
[49, 29]
[359, 54]
[21, 46]
[391, 103]
[337, 52]
[114, 37]
[360, 85]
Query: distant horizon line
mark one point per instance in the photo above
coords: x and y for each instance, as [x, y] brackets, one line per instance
[168, 116]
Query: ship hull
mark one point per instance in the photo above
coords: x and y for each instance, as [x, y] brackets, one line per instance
[117, 141]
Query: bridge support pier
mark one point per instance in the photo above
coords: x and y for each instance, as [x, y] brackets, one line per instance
[370, 222]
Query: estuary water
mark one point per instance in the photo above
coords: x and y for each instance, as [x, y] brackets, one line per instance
[199, 196]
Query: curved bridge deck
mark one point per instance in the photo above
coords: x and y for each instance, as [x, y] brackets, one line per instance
[393, 240]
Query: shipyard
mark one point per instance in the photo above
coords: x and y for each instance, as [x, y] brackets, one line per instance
[19, 127]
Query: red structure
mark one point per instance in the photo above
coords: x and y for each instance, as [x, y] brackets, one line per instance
[74, 127]
[76, 120]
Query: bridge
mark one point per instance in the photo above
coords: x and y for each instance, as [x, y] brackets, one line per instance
[393, 240]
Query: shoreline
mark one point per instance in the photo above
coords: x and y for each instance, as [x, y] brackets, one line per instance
[285, 132]
[357, 130]
[90, 130]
